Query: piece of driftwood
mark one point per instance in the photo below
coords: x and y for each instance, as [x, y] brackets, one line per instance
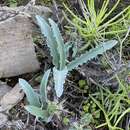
[17, 52]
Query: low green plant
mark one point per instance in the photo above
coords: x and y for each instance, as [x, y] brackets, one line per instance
[114, 106]
[98, 23]
[82, 84]
[91, 107]
[83, 124]
[59, 51]
[13, 3]
[39, 105]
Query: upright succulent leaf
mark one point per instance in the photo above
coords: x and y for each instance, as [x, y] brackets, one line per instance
[59, 79]
[51, 42]
[43, 86]
[32, 97]
[100, 49]
[38, 112]
[60, 43]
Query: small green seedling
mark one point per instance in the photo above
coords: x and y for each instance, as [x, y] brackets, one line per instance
[12, 3]
[83, 124]
[39, 105]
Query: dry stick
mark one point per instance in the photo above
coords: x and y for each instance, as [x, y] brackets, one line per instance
[56, 10]
[35, 121]
[121, 43]
[27, 121]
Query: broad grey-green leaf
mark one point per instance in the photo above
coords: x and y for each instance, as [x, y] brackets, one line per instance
[59, 80]
[68, 46]
[32, 97]
[43, 86]
[60, 43]
[51, 42]
[37, 111]
[100, 49]
[75, 50]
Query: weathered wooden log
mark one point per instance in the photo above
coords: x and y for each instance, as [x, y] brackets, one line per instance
[17, 52]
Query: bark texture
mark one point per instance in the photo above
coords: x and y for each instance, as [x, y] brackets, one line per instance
[17, 54]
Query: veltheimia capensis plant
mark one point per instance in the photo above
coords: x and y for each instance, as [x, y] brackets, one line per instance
[57, 47]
